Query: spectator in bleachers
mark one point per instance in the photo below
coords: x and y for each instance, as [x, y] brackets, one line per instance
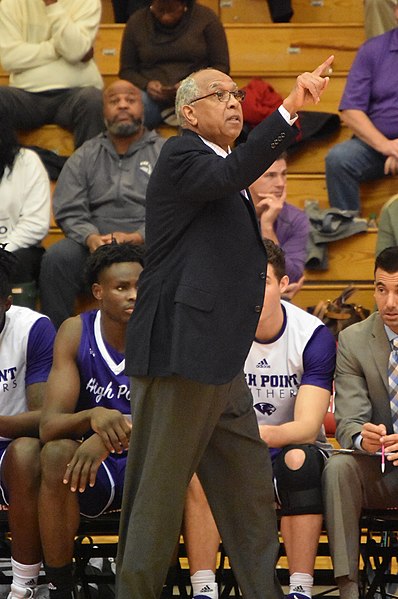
[26, 349]
[24, 210]
[379, 16]
[165, 42]
[86, 416]
[387, 233]
[369, 107]
[47, 48]
[289, 370]
[281, 222]
[366, 417]
[100, 196]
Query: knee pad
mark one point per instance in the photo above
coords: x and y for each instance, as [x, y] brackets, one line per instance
[299, 491]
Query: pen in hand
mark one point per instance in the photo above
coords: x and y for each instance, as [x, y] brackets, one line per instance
[383, 463]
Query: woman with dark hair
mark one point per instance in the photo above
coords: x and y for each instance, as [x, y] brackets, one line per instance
[24, 211]
[162, 44]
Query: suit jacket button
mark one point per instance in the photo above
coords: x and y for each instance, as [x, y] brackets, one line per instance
[258, 308]
[262, 275]
[273, 145]
[283, 135]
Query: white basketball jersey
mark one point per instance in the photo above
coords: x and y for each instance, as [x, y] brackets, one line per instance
[13, 359]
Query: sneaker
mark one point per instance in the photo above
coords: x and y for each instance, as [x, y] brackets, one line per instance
[29, 593]
[296, 596]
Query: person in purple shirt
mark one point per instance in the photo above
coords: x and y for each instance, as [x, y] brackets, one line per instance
[285, 224]
[369, 107]
[86, 418]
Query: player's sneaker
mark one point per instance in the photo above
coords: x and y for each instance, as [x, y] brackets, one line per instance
[29, 593]
[296, 595]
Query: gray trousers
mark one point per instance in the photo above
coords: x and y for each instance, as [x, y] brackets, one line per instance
[379, 16]
[78, 109]
[179, 427]
[351, 483]
[62, 279]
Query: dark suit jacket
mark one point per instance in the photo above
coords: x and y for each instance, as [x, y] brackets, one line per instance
[202, 288]
[362, 393]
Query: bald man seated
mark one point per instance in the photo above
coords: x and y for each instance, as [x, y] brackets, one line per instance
[100, 196]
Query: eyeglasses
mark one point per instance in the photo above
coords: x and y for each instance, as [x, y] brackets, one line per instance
[223, 96]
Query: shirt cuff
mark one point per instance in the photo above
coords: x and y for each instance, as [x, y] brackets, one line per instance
[358, 441]
[286, 115]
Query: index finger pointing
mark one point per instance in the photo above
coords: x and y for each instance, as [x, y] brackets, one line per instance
[323, 69]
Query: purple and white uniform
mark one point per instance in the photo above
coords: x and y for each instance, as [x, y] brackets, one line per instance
[102, 383]
[26, 352]
[303, 353]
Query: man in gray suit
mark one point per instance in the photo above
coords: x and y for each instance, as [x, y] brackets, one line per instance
[365, 423]
[198, 304]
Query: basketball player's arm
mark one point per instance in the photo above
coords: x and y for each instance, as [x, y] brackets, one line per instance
[310, 409]
[59, 419]
[313, 395]
[25, 424]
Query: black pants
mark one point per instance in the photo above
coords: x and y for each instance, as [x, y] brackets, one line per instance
[122, 9]
[280, 10]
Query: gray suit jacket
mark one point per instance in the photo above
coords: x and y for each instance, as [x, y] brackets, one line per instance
[361, 379]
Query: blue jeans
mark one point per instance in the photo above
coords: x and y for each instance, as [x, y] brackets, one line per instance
[347, 165]
[152, 111]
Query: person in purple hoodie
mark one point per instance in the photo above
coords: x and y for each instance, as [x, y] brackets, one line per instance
[284, 224]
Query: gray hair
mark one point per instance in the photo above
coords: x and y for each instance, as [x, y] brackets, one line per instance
[187, 91]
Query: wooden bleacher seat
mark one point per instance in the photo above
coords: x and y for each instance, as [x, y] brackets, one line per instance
[263, 49]
[351, 260]
[310, 186]
[305, 11]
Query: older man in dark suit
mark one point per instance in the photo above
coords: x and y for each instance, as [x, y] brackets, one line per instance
[198, 304]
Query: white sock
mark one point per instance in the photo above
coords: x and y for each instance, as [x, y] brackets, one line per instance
[24, 576]
[301, 583]
[204, 584]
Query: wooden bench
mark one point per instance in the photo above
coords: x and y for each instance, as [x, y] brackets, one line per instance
[256, 11]
[305, 11]
[351, 261]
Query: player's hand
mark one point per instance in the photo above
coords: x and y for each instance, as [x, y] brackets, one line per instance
[113, 427]
[372, 435]
[309, 87]
[83, 467]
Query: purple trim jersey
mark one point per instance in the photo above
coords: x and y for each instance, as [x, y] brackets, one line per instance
[102, 379]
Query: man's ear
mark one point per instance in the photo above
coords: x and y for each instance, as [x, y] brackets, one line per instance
[284, 282]
[8, 303]
[96, 290]
[189, 114]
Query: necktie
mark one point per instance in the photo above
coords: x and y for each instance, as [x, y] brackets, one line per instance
[393, 383]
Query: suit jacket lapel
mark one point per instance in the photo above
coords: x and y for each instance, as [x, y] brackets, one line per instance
[381, 351]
